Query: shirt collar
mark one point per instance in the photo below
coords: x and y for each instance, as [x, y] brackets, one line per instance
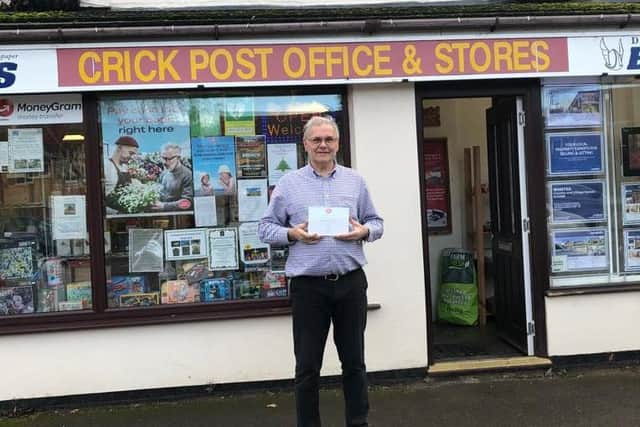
[313, 174]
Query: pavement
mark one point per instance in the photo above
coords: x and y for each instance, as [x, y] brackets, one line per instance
[600, 396]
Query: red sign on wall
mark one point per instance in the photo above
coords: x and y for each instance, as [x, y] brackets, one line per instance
[436, 184]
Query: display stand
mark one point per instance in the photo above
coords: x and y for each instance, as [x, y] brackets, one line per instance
[474, 217]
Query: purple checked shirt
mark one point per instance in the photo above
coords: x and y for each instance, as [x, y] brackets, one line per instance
[294, 194]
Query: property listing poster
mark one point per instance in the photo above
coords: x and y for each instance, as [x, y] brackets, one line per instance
[575, 154]
[138, 181]
[26, 150]
[579, 250]
[631, 203]
[577, 201]
[631, 250]
[251, 156]
[252, 199]
[238, 116]
[283, 158]
[214, 165]
[572, 106]
[68, 217]
[436, 169]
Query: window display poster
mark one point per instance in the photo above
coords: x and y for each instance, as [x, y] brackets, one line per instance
[252, 199]
[16, 300]
[205, 211]
[436, 170]
[280, 126]
[283, 158]
[214, 165]
[577, 201]
[4, 156]
[26, 150]
[572, 106]
[223, 249]
[238, 116]
[281, 119]
[631, 151]
[252, 250]
[16, 260]
[251, 156]
[630, 203]
[123, 285]
[631, 250]
[574, 154]
[185, 244]
[279, 257]
[68, 217]
[146, 157]
[204, 116]
[579, 250]
[145, 250]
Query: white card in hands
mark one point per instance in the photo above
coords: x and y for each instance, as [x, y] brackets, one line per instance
[328, 221]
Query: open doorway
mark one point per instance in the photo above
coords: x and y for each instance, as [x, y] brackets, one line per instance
[472, 152]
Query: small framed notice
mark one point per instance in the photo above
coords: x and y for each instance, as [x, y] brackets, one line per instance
[185, 244]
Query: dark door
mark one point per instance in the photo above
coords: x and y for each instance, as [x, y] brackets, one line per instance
[506, 222]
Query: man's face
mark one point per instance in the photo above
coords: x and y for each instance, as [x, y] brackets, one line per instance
[170, 159]
[322, 144]
[126, 152]
[225, 177]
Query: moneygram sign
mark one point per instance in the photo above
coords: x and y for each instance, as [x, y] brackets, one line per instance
[25, 110]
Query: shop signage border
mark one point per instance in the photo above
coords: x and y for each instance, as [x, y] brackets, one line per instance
[157, 65]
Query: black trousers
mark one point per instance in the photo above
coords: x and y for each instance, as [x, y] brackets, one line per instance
[316, 302]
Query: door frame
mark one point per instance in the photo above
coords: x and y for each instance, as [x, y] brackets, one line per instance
[529, 90]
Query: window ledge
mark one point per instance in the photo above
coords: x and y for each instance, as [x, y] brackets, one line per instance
[588, 290]
[88, 320]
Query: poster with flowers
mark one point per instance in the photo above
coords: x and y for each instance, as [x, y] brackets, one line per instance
[146, 157]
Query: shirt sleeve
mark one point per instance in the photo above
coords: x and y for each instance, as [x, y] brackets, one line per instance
[368, 216]
[273, 226]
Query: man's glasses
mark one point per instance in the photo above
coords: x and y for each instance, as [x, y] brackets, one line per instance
[318, 140]
[168, 159]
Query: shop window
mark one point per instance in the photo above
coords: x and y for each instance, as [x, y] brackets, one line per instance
[186, 180]
[44, 244]
[172, 185]
[592, 135]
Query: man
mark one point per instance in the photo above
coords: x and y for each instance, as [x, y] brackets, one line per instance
[327, 281]
[226, 181]
[115, 170]
[176, 180]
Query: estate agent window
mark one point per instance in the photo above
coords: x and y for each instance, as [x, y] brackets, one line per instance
[184, 180]
[592, 134]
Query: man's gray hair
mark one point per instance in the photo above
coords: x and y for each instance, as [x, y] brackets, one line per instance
[319, 121]
[172, 146]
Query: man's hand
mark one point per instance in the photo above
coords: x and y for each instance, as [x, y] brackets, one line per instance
[157, 206]
[358, 232]
[299, 233]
